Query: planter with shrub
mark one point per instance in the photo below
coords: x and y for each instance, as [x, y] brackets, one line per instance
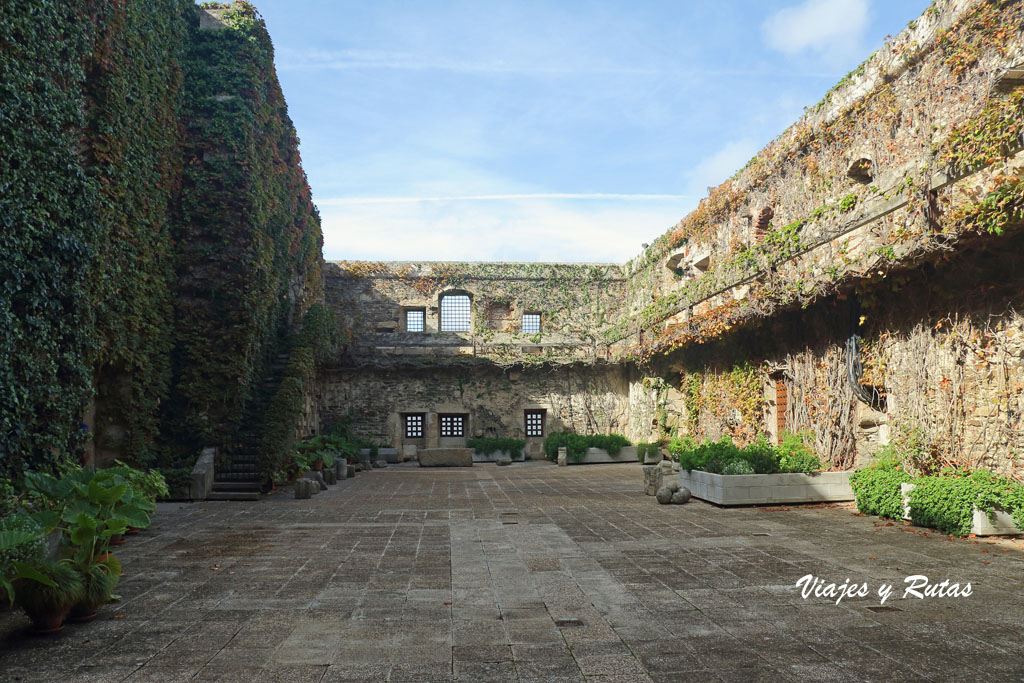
[489, 450]
[760, 473]
[593, 448]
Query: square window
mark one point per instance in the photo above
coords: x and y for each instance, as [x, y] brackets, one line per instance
[453, 425]
[455, 309]
[414, 426]
[535, 422]
[531, 323]
[414, 320]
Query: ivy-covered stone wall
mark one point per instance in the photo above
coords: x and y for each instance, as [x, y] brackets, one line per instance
[157, 230]
[859, 270]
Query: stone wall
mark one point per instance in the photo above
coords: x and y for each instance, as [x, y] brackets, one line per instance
[586, 399]
[572, 300]
[855, 281]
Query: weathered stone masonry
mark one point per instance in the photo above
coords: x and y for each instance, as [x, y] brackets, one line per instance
[858, 278]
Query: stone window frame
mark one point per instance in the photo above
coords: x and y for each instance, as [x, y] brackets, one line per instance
[414, 425]
[452, 425]
[422, 311]
[533, 316]
[535, 427]
[463, 316]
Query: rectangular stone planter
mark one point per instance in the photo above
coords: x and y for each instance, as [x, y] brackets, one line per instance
[600, 455]
[759, 489]
[1001, 523]
[491, 457]
[446, 457]
[390, 455]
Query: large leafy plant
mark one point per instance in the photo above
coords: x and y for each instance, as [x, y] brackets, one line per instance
[88, 507]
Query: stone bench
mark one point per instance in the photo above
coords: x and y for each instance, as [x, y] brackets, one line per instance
[446, 457]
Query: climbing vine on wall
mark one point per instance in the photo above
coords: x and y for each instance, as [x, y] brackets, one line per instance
[249, 237]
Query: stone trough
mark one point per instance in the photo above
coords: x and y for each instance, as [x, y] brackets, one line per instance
[446, 457]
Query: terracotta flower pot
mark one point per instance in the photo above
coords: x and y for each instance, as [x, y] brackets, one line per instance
[49, 623]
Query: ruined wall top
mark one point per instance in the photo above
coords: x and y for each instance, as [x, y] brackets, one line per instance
[465, 312]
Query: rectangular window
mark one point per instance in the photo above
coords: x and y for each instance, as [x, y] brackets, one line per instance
[414, 426]
[455, 313]
[453, 425]
[535, 423]
[414, 320]
[531, 323]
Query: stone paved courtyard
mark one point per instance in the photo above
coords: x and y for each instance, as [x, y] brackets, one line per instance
[531, 573]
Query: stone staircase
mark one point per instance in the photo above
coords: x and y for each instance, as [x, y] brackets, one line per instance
[240, 479]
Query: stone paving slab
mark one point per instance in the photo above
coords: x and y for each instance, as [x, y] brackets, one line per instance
[531, 573]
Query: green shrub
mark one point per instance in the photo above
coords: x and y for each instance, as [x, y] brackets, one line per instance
[488, 446]
[576, 445]
[877, 488]
[758, 457]
[795, 455]
[738, 467]
[26, 544]
[946, 502]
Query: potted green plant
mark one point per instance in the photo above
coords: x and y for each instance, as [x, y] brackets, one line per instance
[46, 592]
[146, 487]
[99, 577]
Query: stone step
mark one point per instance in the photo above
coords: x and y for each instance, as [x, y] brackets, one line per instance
[235, 476]
[233, 495]
[224, 486]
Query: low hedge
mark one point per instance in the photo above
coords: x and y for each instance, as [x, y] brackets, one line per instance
[576, 445]
[759, 457]
[945, 502]
[877, 489]
[488, 446]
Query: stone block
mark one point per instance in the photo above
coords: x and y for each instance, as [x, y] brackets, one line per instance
[380, 464]
[409, 452]
[502, 460]
[304, 488]
[202, 475]
[330, 476]
[563, 457]
[350, 471]
[390, 455]
[652, 479]
[446, 457]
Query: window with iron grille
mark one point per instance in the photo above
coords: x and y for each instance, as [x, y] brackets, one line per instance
[414, 320]
[453, 425]
[535, 423]
[455, 311]
[414, 426]
[531, 323]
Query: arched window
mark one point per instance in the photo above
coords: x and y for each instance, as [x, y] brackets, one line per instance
[455, 313]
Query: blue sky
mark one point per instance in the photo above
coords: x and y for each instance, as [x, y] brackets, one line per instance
[545, 131]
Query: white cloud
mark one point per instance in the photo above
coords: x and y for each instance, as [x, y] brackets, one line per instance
[531, 229]
[715, 169]
[832, 30]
